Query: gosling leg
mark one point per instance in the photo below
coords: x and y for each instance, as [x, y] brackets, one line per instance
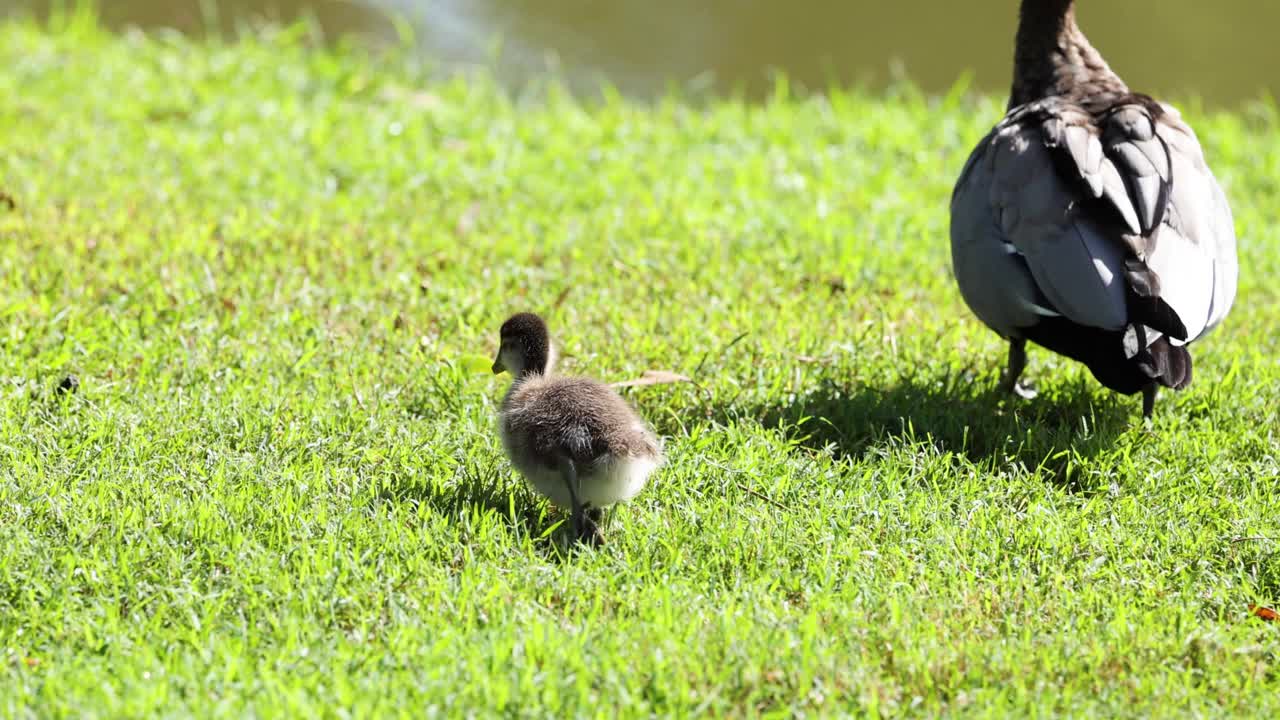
[591, 532]
[586, 520]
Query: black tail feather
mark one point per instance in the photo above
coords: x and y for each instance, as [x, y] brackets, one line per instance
[1145, 305]
[1142, 281]
[1124, 369]
[1167, 364]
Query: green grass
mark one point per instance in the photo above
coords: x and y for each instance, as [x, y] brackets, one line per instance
[278, 490]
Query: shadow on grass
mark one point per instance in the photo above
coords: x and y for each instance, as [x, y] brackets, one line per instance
[496, 491]
[1055, 433]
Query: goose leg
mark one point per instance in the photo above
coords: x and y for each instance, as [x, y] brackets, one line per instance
[1148, 400]
[591, 533]
[584, 528]
[1017, 363]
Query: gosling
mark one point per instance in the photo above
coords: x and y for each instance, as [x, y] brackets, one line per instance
[574, 440]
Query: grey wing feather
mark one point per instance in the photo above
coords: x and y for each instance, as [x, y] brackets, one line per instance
[1142, 158]
[1194, 254]
[992, 275]
[1169, 214]
[1068, 254]
[1071, 129]
[1121, 159]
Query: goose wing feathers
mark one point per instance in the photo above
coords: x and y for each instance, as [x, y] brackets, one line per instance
[1109, 218]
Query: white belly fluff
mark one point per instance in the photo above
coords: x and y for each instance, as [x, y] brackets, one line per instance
[601, 485]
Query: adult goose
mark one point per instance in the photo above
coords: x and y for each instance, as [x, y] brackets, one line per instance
[1088, 222]
[575, 440]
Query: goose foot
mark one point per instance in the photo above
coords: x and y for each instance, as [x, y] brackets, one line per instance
[587, 525]
[1022, 391]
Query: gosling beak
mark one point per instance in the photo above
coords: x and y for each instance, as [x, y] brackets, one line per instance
[498, 367]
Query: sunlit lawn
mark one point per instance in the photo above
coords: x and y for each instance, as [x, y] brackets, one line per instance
[275, 271]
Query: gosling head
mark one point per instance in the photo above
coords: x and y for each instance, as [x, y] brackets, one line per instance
[526, 346]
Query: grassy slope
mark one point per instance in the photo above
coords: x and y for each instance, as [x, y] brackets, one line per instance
[279, 489]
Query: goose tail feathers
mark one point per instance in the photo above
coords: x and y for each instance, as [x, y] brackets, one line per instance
[1166, 364]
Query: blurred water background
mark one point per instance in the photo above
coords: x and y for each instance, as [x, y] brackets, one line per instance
[1222, 52]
